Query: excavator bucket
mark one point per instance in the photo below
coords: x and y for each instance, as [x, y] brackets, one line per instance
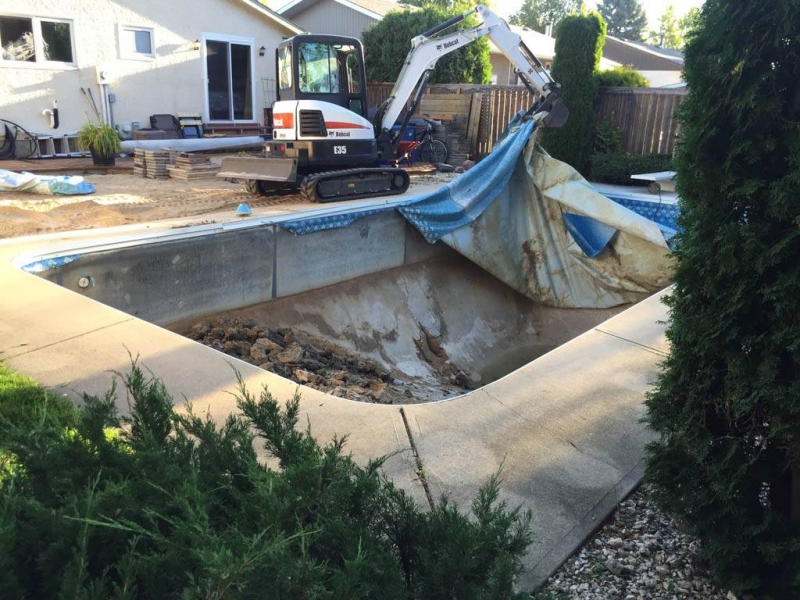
[260, 169]
[557, 115]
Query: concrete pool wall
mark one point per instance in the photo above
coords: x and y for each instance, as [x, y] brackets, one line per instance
[566, 427]
[375, 289]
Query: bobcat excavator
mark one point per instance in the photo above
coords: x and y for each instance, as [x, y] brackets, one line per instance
[324, 144]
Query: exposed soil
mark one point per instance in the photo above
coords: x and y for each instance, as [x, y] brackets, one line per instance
[324, 366]
[124, 199]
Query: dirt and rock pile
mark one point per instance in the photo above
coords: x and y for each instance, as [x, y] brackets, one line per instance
[308, 360]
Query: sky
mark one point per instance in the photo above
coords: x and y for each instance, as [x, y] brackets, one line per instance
[653, 8]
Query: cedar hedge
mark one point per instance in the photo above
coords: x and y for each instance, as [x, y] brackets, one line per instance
[727, 403]
[617, 167]
[579, 47]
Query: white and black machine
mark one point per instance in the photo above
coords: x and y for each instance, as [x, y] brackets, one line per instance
[322, 140]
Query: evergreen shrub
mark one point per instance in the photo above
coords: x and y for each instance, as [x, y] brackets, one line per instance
[727, 403]
[622, 76]
[387, 43]
[579, 47]
[617, 167]
[159, 504]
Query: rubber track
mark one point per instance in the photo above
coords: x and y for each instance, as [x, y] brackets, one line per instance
[308, 187]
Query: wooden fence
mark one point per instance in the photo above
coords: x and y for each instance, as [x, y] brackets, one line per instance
[644, 116]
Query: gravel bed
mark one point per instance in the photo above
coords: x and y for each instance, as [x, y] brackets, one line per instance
[640, 554]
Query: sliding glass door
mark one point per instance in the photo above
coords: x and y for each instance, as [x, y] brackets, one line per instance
[229, 77]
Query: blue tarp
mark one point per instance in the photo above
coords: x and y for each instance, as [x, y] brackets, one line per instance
[537, 225]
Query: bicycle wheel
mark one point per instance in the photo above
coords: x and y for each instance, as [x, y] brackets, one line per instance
[434, 151]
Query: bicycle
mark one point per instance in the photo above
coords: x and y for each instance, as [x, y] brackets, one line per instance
[428, 149]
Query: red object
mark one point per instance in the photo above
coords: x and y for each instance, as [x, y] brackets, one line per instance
[283, 120]
[405, 148]
[343, 125]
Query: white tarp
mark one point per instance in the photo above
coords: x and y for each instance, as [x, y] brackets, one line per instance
[65, 185]
[521, 238]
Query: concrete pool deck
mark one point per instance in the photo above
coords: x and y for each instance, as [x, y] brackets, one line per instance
[566, 428]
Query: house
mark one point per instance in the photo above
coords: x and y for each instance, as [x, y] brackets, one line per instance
[543, 47]
[338, 17]
[135, 58]
[660, 66]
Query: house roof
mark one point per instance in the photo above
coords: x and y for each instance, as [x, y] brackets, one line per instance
[274, 16]
[543, 46]
[377, 9]
[642, 57]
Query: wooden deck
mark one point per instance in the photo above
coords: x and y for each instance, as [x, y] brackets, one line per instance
[84, 166]
[67, 166]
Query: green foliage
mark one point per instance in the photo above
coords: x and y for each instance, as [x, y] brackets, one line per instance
[689, 22]
[727, 403]
[625, 19]
[386, 45]
[622, 77]
[617, 167]
[670, 32]
[160, 504]
[538, 14]
[607, 138]
[579, 47]
[103, 140]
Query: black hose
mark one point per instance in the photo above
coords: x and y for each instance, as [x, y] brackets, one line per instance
[13, 150]
[9, 146]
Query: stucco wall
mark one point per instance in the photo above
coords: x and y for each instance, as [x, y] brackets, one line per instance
[334, 19]
[500, 68]
[171, 83]
[662, 78]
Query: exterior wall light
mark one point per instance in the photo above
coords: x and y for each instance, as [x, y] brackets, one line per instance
[262, 51]
[196, 45]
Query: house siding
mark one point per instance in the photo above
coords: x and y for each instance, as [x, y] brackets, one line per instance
[332, 18]
[173, 82]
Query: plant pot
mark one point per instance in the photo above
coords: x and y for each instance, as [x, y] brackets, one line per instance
[103, 161]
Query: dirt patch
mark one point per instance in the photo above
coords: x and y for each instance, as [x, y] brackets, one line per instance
[318, 363]
[123, 199]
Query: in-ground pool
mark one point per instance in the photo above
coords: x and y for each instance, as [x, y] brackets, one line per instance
[369, 312]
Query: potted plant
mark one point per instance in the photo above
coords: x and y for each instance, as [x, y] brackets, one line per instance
[102, 141]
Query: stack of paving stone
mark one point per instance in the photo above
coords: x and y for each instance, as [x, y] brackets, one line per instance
[193, 166]
[151, 163]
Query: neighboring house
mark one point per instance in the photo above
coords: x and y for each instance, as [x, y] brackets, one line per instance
[543, 47]
[212, 58]
[338, 17]
[661, 67]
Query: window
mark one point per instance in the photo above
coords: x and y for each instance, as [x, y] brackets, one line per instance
[36, 40]
[328, 69]
[136, 42]
[229, 72]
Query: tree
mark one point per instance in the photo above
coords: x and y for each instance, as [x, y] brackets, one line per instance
[538, 14]
[624, 18]
[688, 22]
[727, 402]
[579, 46]
[386, 45]
[670, 33]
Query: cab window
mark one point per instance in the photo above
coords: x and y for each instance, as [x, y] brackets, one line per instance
[328, 68]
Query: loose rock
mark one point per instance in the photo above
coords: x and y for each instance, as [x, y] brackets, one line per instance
[640, 554]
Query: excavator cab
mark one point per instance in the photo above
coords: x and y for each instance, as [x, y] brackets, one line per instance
[327, 68]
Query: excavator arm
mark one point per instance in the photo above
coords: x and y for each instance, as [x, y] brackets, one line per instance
[426, 50]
